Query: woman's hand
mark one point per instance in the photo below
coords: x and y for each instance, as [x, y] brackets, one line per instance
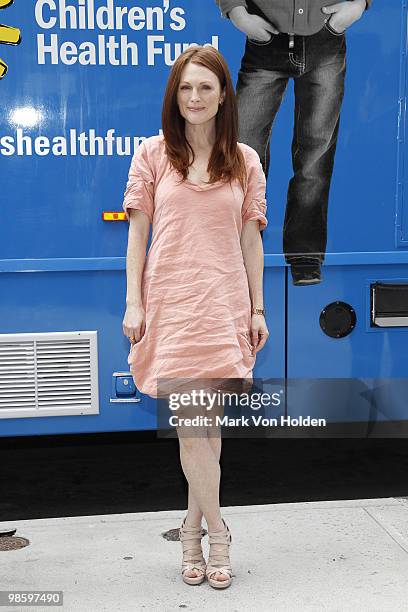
[134, 323]
[344, 14]
[259, 332]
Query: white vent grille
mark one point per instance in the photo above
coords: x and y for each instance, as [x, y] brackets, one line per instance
[48, 374]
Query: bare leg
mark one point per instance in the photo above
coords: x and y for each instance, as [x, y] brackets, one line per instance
[215, 444]
[200, 462]
[200, 453]
[194, 513]
[202, 471]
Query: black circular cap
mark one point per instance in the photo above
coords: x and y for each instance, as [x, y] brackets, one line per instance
[338, 319]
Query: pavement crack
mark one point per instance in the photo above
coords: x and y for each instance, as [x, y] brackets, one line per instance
[393, 533]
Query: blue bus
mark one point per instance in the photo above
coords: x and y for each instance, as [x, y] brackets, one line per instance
[81, 87]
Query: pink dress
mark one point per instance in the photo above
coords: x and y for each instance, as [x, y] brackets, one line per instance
[194, 286]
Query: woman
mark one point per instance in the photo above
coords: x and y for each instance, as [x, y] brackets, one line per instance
[188, 314]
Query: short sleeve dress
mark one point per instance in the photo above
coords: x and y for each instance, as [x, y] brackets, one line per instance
[194, 284]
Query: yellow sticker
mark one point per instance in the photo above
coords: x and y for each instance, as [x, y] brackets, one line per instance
[8, 36]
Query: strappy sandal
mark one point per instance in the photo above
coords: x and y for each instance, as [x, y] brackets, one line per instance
[219, 561]
[190, 538]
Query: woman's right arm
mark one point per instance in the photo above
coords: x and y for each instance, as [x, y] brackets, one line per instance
[138, 204]
[135, 317]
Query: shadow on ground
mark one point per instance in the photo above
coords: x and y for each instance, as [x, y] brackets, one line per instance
[73, 475]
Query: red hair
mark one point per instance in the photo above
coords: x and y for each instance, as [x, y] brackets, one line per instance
[226, 160]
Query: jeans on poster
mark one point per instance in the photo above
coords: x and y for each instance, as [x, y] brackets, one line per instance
[317, 63]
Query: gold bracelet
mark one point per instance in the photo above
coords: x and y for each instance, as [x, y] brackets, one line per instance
[260, 311]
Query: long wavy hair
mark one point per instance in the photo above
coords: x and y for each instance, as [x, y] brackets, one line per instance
[226, 160]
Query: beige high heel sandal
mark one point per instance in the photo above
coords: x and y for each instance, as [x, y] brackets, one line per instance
[190, 538]
[218, 561]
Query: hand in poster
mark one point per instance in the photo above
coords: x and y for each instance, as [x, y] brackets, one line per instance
[344, 14]
[254, 26]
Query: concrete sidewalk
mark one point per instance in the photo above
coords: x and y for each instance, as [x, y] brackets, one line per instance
[328, 556]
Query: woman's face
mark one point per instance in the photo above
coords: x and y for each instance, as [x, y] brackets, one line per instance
[199, 88]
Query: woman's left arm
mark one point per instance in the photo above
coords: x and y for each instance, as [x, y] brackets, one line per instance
[253, 255]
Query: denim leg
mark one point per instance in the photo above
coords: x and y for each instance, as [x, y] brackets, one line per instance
[319, 94]
[259, 95]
